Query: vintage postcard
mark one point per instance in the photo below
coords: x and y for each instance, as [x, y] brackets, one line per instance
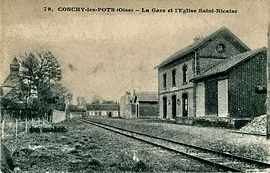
[134, 86]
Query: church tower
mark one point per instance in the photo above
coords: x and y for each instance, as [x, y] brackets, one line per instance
[14, 67]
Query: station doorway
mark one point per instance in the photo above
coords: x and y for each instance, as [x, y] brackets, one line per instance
[185, 104]
[164, 107]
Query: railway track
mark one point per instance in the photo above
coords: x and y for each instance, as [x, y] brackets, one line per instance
[253, 134]
[225, 161]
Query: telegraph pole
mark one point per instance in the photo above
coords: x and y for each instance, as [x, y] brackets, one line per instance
[268, 87]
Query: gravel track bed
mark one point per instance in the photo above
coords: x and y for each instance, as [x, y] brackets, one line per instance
[255, 147]
[86, 148]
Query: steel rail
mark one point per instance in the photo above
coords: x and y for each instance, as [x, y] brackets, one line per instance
[192, 146]
[245, 133]
[243, 159]
[224, 167]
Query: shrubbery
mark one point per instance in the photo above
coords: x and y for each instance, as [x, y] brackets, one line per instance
[48, 129]
[75, 108]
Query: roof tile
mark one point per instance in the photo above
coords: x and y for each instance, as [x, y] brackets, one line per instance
[147, 96]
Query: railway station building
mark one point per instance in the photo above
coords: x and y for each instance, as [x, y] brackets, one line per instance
[212, 78]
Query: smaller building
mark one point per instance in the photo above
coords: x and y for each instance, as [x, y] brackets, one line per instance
[104, 110]
[139, 105]
[127, 107]
[228, 89]
[146, 104]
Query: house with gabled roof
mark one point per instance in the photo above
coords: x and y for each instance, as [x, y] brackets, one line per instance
[146, 104]
[179, 91]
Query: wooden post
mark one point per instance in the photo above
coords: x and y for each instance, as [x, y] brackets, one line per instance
[16, 128]
[32, 123]
[268, 87]
[3, 129]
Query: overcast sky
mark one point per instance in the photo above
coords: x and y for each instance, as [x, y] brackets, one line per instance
[108, 54]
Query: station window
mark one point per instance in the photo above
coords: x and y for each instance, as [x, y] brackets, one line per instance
[164, 80]
[184, 74]
[173, 77]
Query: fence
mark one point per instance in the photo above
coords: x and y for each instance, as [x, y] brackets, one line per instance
[24, 113]
[12, 127]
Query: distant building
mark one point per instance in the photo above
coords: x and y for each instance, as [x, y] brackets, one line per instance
[8, 90]
[216, 76]
[127, 107]
[106, 110]
[139, 105]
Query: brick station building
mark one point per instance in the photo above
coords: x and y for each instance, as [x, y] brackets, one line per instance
[216, 76]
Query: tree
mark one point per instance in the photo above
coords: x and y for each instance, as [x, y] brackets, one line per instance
[38, 89]
[39, 73]
[268, 87]
[109, 102]
[60, 96]
[81, 101]
[97, 99]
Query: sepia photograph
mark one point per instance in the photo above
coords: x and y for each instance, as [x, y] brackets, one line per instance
[134, 86]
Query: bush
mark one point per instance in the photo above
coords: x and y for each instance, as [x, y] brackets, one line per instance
[240, 123]
[75, 108]
[48, 129]
[221, 124]
[202, 122]
[210, 122]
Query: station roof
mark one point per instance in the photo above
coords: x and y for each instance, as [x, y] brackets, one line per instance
[228, 64]
[222, 31]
